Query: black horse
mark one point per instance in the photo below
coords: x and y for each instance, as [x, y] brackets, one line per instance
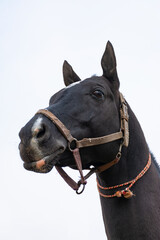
[90, 109]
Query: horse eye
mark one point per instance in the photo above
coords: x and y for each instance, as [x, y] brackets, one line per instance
[98, 94]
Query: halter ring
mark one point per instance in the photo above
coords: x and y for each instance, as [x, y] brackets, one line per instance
[72, 145]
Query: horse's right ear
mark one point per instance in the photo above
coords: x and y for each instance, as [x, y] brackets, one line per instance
[69, 75]
[109, 65]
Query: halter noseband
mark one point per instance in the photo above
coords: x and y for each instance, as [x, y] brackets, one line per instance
[74, 145]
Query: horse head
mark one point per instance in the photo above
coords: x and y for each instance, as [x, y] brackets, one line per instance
[88, 108]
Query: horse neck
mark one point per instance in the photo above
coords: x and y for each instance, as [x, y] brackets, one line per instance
[123, 217]
[133, 159]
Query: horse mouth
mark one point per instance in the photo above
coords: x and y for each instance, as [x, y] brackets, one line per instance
[45, 164]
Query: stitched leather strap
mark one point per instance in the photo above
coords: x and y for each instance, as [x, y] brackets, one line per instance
[66, 133]
[68, 179]
[107, 165]
[124, 120]
[88, 142]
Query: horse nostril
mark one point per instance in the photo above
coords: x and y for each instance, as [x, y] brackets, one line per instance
[39, 132]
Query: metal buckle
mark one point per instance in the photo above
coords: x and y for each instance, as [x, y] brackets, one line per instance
[118, 155]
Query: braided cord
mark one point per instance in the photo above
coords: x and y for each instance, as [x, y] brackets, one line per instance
[127, 190]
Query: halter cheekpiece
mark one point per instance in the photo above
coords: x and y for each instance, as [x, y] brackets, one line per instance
[74, 145]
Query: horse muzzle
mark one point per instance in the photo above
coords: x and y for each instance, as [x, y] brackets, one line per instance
[45, 164]
[39, 147]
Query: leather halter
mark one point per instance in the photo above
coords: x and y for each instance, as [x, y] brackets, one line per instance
[74, 145]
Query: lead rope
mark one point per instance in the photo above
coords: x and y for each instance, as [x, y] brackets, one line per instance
[127, 193]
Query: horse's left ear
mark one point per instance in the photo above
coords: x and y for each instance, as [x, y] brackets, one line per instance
[109, 65]
[69, 75]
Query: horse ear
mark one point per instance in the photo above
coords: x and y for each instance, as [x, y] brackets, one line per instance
[69, 75]
[109, 64]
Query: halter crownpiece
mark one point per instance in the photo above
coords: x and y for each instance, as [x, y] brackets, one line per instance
[124, 120]
[74, 145]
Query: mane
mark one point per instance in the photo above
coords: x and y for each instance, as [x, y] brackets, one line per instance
[94, 75]
[155, 162]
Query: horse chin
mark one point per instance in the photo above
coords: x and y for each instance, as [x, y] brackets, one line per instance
[45, 164]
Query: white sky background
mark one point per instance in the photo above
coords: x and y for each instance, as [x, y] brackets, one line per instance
[35, 38]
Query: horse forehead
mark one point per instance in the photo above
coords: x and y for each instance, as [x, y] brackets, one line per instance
[73, 84]
[88, 81]
[76, 83]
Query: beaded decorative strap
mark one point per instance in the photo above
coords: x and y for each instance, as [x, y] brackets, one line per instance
[127, 193]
